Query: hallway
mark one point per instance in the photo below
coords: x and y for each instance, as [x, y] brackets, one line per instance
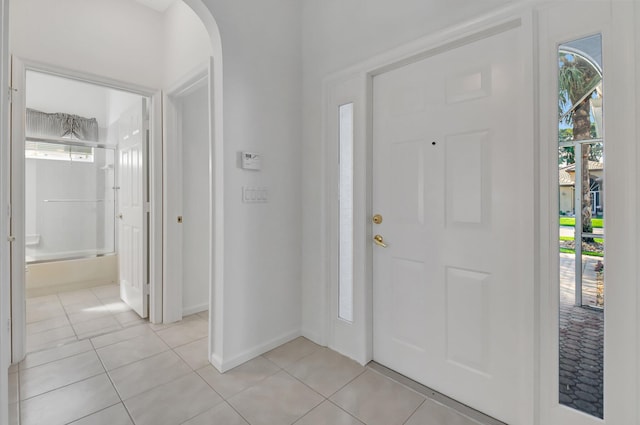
[159, 375]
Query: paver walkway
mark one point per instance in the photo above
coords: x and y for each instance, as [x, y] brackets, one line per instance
[581, 341]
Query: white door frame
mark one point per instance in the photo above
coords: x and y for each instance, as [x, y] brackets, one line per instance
[615, 21]
[173, 187]
[355, 85]
[18, 209]
[5, 178]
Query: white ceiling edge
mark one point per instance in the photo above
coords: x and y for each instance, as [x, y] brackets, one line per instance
[158, 5]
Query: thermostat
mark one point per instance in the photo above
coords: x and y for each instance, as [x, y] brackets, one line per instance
[251, 161]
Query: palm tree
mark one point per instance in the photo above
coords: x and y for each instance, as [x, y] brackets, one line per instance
[577, 81]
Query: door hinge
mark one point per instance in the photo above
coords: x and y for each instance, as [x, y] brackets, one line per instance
[147, 289]
[10, 94]
[9, 325]
[147, 207]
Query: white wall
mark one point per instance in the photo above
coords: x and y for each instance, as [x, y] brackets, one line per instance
[195, 201]
[186, 44]
[117, 103]
[337, 34]
[49, 93]
[118, 39]
[262, 102]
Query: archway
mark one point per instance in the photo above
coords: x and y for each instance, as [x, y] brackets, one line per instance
[215, 160]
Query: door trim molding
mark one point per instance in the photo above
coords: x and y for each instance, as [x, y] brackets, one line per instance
[5, 179]
[173, 186]
[21, 66]
[355, 84]
[17, 226]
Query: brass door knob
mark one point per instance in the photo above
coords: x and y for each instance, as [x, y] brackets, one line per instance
[379, 240]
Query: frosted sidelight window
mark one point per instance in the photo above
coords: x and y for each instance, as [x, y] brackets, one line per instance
[345, 228]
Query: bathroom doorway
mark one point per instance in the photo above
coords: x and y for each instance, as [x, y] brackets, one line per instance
[83, 158]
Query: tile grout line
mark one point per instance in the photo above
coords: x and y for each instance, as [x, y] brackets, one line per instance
[63, 386]
[322, 395]
[173, 350]
[239, 414]
[51, 361]
[244, 389]
[66, 313]
[27, 336]
[170, 349]
[86, 416]
[348, 413]
[414, 411]
[470, 413]
[113, 385]
[68, 318]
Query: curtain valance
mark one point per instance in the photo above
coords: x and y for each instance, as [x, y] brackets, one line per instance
[43, 124]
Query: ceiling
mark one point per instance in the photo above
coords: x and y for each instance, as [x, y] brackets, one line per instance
[159, 5]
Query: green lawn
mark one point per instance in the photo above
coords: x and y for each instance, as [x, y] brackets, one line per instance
[571, 221]
[571, 251]
[570, 238]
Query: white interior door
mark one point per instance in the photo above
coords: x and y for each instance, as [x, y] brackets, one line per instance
[133, 207]
[195, 198]
[172, 242]
[186, 197]
[448, 287]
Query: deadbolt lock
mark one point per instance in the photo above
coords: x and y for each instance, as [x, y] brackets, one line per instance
[179, 219]
[377, 219]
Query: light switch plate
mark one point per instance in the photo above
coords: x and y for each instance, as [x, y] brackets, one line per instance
[253, 194]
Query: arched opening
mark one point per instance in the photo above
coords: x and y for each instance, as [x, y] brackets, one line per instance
[137, 76]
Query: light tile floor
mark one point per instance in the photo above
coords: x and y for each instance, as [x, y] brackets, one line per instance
[58, 319]
[159, 375]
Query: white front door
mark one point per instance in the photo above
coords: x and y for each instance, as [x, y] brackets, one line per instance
[133, 207]
[447, 182]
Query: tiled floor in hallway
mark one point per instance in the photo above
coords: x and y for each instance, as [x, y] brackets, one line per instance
[159, 375]
[65, 317]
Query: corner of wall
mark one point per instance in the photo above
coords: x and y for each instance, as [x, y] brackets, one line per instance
[226, 364]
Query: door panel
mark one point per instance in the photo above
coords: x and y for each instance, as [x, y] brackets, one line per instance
[447, 286]
[132, 229]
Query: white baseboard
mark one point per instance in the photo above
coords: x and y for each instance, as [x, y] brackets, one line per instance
[195, 309]
[314, 337]
[216, 361]
[224, 365]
